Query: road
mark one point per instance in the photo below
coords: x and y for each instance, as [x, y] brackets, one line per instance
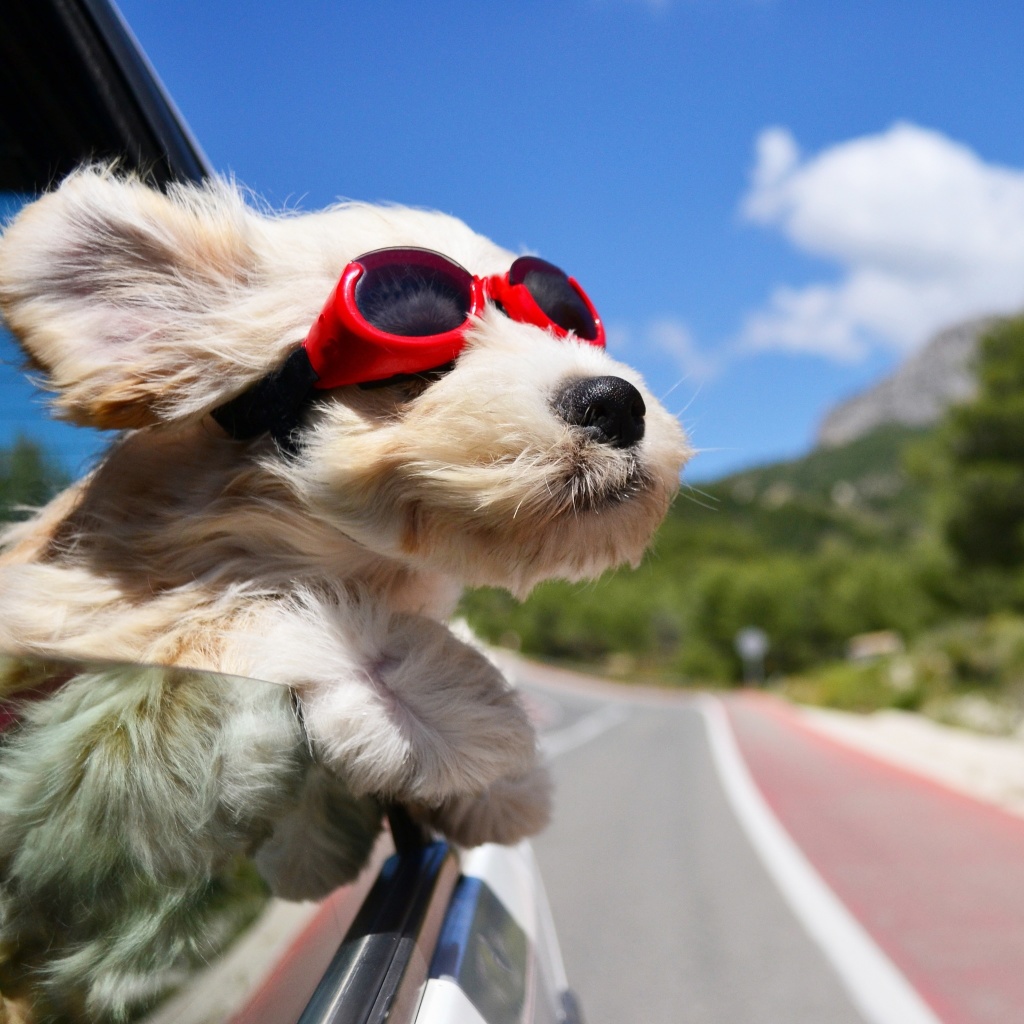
[853, 901]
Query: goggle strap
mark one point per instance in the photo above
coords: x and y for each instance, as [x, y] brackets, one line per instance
[272, 405]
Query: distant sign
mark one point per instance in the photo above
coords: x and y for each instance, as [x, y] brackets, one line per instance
[751, 642]
[752, 645]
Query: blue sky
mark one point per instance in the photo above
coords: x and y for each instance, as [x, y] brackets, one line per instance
[770, 201]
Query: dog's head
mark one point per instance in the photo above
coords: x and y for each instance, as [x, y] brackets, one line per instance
[533, 456]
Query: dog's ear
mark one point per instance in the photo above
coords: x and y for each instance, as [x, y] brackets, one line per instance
[139, 306]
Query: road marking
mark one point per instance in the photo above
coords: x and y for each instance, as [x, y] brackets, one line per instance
[873, 981]
[554, 744]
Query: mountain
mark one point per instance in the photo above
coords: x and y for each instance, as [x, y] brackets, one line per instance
[917, 393]
[859, 493]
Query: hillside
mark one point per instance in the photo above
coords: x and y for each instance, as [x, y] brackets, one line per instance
[860, 492]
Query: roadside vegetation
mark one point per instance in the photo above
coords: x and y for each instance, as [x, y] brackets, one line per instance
[916, 534]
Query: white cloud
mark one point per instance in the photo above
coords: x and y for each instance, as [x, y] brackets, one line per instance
[671, 337]
[925, 233]
[675, 340]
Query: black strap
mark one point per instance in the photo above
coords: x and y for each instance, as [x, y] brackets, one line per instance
[272, 405]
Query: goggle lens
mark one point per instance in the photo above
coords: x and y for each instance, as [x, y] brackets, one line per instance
[419, 295]
[555, 294]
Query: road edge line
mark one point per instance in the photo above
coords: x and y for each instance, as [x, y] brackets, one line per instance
[875, 985]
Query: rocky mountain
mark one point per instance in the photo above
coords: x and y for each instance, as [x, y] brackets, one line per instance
[917, 393]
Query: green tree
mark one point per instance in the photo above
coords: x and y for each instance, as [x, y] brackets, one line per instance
[983, 495]
[29, 477]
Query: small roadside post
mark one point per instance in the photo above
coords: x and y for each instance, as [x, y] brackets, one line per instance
[752, 645]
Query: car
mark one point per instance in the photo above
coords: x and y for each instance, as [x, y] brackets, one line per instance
[437, 935]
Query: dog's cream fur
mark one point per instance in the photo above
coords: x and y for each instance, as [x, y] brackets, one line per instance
[330, 572]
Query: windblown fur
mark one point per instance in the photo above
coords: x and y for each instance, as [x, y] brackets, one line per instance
[329, 574]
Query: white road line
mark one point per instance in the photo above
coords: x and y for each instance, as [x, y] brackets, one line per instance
[874, 983]
[554, 744]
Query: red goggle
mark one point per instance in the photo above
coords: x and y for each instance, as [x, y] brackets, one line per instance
[404, 311]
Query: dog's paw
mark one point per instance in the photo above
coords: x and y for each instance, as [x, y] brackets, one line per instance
[510, 809]
[396, 704]
[430, 718]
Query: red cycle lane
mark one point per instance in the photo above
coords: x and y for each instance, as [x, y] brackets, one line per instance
[935, 877]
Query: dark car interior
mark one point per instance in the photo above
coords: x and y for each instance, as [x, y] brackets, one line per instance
[73, 88]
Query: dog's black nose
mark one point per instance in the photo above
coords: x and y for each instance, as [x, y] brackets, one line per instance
[610, 409]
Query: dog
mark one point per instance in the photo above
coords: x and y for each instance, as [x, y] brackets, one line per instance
[247, 523]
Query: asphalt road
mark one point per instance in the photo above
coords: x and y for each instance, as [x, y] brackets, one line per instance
[664, 911]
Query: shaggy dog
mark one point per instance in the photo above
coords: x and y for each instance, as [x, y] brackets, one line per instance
[325, 561]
